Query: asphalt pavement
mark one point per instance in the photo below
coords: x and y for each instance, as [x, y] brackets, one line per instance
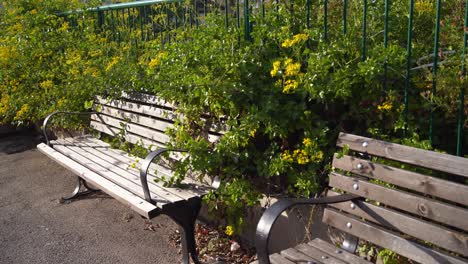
[36, 228]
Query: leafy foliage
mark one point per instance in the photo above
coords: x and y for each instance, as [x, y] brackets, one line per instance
[279, 99]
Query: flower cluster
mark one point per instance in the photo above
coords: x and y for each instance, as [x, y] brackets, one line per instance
[302, 156]
[289, 72]
[229, 230]
[296, 39]
[385, 106]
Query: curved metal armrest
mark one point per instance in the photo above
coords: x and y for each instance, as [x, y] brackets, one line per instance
[270, 216]
[46, 121]
[145, 166]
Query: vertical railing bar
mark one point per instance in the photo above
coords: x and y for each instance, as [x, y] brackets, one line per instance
[161, 29]
[462, 88]
[204, 8]
[117, 19]
[237, 13]
[277, 9]
[124, 22]
[345, 17]
[145, 23]
[151, 17]
[226, 13]
[387, 10]
[408, 65]
[168, 25]
[176, 16]
[325, 19]
[195, 5]
[364, 31]
[141, 23]
[263, 8]
[246, 20]
[434, 72]
[113, 25]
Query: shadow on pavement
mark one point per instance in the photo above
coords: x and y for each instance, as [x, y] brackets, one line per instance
[19, 140]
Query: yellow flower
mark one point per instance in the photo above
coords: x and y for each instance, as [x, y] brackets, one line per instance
[229, 230]
[47, 84]
[156, 61]
[113, 62]
[292, 69]
[287, 43]
[290, 86]
[307, 142]
[423, 6]
[286, 156]
[252, 132]
[4, 104]
[64, 27]
[21, 114]
[385, 106]
[276, 66]
[296, 39]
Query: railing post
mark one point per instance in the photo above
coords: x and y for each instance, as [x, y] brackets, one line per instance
[462, 88]
[246, 20]
[408, 64]
[387, 9]
[434, 72]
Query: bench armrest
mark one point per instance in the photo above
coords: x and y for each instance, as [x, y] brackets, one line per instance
[46, 121]
[270, 216]
[145, 166]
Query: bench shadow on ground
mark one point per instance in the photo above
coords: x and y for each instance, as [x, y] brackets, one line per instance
[18, 141]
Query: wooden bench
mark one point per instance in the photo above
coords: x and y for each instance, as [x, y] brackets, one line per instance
[420, 215]
[140, 119]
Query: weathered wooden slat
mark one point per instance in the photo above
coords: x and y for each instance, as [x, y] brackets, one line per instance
[149, 99]
[201, 186]
[278, 259]
[135, 129]
[157, 101]
[431, 209]
[315, 253]
[447, 190]
[438, 235]
[297, 256]
[121, 166]
[133, 201]
[388, 239]
[107, 173]
[155, 111]
[419, 157]
[337, 252]
[152, 122]
[138, 130]
[134, 139]
[118, 168]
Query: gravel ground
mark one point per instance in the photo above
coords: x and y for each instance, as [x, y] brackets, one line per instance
[36, 228]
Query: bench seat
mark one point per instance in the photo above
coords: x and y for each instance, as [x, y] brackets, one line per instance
[118, 173]
[314, 252]
[411, 201]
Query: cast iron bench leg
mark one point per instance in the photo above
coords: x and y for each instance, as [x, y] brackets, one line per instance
[76, 193]
[185, 214]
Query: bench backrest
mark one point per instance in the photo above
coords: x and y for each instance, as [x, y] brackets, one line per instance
[140, 119]
[421, 217]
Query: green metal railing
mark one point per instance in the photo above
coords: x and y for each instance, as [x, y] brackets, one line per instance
[151, 19]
